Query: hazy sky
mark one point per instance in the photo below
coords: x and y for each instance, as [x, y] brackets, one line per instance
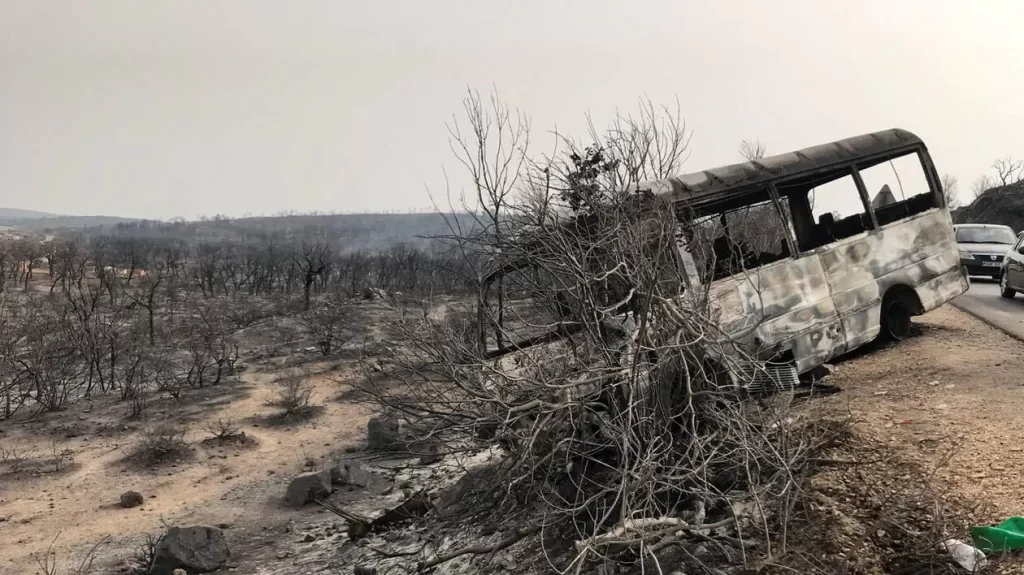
[178, 108]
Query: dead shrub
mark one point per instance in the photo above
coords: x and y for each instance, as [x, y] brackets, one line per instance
[16, 457]
[142, 558]
[62, 456]
[461, 327]
[161, 443]
[294, 397]
[329, 324]
[138, 401]
[222, 429]
[49, 564]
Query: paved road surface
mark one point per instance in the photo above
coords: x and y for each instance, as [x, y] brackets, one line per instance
[983, 301]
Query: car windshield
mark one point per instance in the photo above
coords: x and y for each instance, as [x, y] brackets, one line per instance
[985, 236]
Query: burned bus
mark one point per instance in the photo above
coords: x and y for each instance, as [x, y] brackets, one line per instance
[856, 238]
[811, 254]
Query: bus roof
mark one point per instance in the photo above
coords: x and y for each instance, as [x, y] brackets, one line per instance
[723, 181]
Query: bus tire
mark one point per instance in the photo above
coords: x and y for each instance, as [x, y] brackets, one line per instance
[895, 318]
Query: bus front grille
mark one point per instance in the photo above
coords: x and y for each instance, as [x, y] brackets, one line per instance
[772, 377]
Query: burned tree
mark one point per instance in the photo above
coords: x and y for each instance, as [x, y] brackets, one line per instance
[313, 262]
[1008, 170]
[492, 144]
[144, 295]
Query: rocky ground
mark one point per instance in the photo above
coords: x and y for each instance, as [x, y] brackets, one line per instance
[932, 448]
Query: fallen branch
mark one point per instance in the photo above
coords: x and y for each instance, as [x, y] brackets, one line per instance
[360, 526]
[667, 524]
[478, 549]
[392, 554]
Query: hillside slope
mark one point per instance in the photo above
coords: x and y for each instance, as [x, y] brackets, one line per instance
[345, 232]
[1003, 205]
[16, 213]
[52, 222]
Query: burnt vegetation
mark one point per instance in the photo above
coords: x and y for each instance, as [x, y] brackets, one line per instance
[599, 383]
[161, 443]
[140, 310]
[574, 351]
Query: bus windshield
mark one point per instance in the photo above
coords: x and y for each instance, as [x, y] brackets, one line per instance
[985, 236]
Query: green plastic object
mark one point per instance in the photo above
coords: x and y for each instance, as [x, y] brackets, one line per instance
[1006, 536]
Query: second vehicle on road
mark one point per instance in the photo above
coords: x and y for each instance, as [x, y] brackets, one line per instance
[1011, 276]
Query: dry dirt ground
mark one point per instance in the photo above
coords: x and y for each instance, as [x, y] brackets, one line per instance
[951, 399]
[944, 407]
[935, 447]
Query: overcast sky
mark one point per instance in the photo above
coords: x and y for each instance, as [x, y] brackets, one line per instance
[157, 109]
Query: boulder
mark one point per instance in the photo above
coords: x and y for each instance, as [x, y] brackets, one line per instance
[430, 453]
[307, 485]
[383, 433]
[350, 472]
[197, 549]
[131, 499]
[372, 293]
[451, 499]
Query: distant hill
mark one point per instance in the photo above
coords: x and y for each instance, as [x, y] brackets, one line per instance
[54, 222]
[349, 232]
[15, 213]
[1003, 205]
[344, 232]
[32, 220]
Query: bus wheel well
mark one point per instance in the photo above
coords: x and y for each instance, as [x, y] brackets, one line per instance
[906, 296]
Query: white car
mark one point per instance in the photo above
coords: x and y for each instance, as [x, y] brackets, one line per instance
[983, 247]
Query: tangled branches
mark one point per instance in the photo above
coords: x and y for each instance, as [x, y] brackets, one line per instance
[622, 426]
[604, 381]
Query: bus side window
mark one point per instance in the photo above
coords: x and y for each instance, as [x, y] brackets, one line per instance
[826, 209]
[747, 234]
[898, 187]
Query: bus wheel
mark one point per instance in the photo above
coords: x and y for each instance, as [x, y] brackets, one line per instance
[895, 319]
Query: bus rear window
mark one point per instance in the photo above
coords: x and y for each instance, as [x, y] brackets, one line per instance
[898, 187]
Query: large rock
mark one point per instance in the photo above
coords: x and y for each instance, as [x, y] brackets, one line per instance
[372, 293]
[197, 549]
[350, 472]
[451, 501]
[131, 499]
[304, 487]
[383, 434]
[430, 453]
